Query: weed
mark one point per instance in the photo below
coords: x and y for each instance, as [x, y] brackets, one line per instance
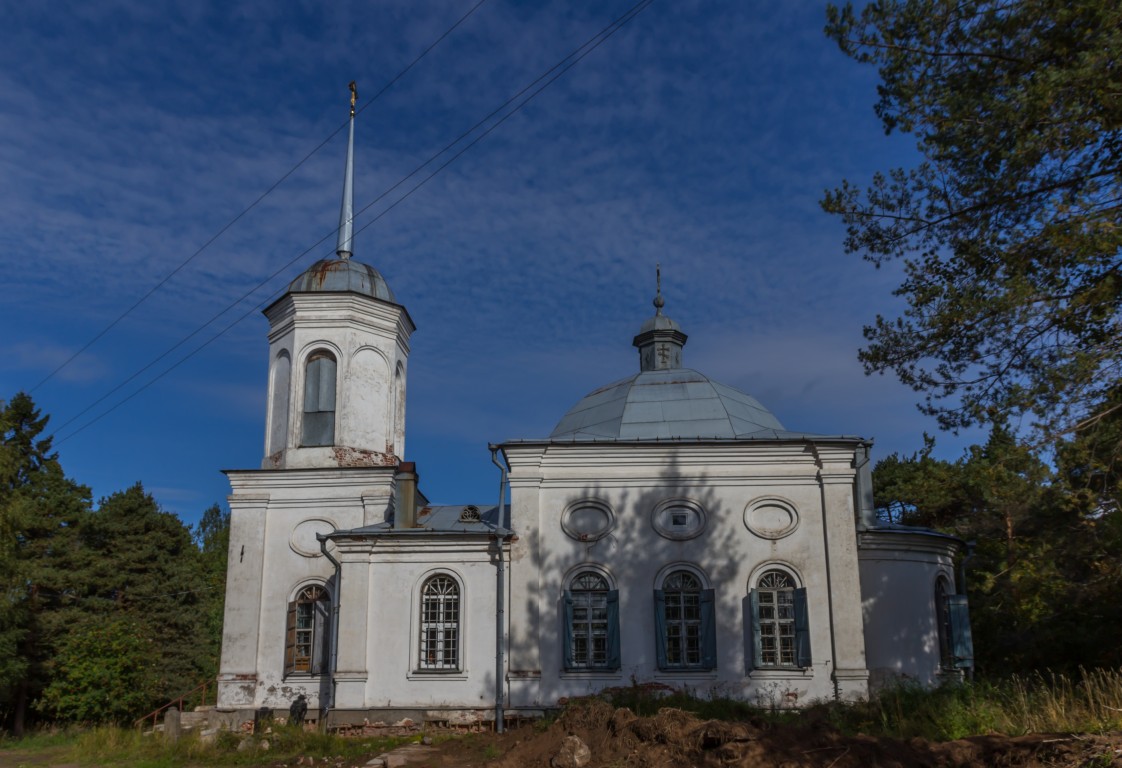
[1039, 703]
[123, 746]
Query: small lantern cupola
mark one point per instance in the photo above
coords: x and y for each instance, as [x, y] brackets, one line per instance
[660, 340]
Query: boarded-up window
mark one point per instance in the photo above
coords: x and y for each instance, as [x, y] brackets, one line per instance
[307, 632]
[319, 400]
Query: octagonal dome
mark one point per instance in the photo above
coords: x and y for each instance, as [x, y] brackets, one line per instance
[676, 403]
[331, 275]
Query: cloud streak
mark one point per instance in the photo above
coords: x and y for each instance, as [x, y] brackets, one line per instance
[701, 136]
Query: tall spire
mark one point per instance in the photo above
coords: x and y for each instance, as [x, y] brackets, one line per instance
[346, 215]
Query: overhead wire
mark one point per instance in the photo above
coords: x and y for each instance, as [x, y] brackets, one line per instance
[97, 337]
[550, 76]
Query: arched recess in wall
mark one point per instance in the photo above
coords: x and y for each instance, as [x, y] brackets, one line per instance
[397, 435]
[280, 387]
[367, 394]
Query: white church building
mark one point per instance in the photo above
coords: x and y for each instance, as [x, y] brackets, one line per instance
[669, 530]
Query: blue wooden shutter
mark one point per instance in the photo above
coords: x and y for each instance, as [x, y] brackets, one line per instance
[290, 639]
[708, 630]
[962, 641]
[753, 619]
[802, 630]
[613, 661]
[660, 628]
[567, 628]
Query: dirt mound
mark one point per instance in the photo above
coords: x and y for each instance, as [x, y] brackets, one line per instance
[617, 737]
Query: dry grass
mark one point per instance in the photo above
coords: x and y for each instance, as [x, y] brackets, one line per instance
[1043, 704]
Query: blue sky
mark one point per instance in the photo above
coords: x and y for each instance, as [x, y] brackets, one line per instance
[700, 136]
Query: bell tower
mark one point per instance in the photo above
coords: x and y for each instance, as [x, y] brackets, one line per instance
[338, 357]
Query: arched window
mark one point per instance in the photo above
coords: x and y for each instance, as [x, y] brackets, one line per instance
[307, 635]
[591, 635]
[943, 621]
[685, 624]
[319, 400]
[780, 622]
[440, 624]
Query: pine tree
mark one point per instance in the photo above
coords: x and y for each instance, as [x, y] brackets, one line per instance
[141, 562]
[41, 512]
[1010, 229]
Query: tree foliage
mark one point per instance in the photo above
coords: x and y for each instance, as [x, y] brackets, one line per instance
[142, 563]
[1010, 229]
[115, 610]
[1045, 579]
[41, 511]
[105, 672]
[212, 536]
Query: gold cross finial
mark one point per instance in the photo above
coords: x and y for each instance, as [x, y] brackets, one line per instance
[354, 96]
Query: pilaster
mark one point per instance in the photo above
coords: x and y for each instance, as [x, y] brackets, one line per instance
[837, 476]
[237, 678]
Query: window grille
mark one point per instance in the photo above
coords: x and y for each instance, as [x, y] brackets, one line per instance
[777, 619]
[440, 624]
[685, 623]
[780, 623]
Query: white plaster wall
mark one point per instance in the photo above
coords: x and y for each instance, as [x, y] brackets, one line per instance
[898, 575]
[633, 480]
[367, 411]
[274, 516]
[396, 577]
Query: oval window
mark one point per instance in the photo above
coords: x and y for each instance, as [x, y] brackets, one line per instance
[678, 518]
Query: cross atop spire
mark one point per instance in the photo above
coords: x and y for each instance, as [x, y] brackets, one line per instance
[660, 340]
[346, 215]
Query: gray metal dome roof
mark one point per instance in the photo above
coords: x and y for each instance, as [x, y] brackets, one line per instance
[667, 404]
[330, 275]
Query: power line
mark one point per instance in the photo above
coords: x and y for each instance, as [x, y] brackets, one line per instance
[250, 207]
[550, 76]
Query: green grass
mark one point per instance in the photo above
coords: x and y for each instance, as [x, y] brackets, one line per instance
[39, 739]
[1040, 703]
[115, 746]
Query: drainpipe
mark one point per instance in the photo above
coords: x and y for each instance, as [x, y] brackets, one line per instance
[334, 663]
[500, 597]
[970, 545]
[866, 509]
[405, 496]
